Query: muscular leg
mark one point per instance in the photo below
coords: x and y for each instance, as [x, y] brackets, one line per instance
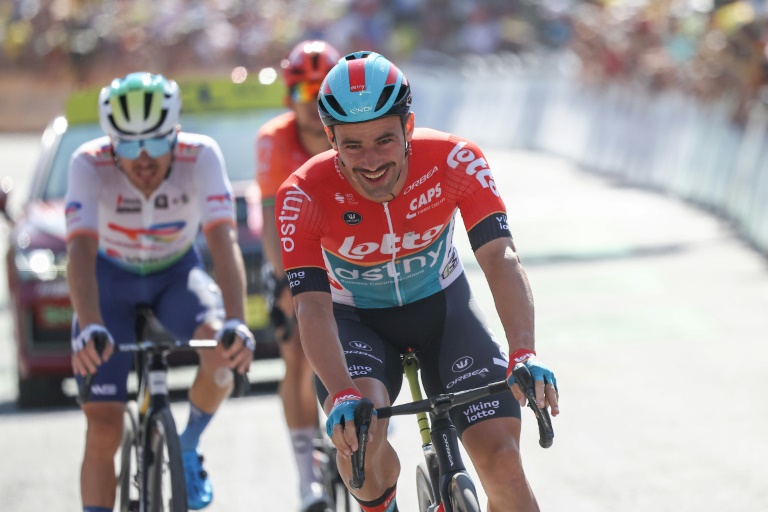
[102, 439]
[297, 390]
[493, 446]
[213, 382]
[382, 466]
[300, 409]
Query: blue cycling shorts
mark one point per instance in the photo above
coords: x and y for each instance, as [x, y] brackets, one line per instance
[182, 296]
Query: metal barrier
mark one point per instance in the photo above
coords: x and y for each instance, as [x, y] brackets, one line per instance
[663, 141]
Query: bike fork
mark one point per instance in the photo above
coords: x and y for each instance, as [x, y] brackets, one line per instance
[445, 443]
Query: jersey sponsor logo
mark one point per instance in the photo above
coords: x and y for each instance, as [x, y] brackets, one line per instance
[295, 277]
[289, 212]
[481, 410]
[409, 265]
[366, 354]
[220, 198]
[462, 364]
[473, 373]
[390, 243]
[128, 204]
[352, 218]
[165, 232]
[476, 167]
[422, 203]
[161, 201]
[359, 345]
[453, 262]
[420, 181]
[344, 198]
[71, 209]
[502, 220]
[357, 370]
[104, 389]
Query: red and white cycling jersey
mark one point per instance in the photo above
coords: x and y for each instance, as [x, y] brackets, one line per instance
[140, 234]
[378, 255]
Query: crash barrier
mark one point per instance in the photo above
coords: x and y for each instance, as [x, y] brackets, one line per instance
[663, 141]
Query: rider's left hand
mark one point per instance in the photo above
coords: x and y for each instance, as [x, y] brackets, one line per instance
[240, 353]
[545, 383]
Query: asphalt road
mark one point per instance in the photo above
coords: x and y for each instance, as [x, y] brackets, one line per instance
[652, 314]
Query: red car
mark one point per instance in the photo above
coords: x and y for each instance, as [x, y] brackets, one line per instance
[36, 257]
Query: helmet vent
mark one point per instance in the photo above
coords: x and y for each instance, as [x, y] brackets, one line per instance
[385, 94]
[335, 106]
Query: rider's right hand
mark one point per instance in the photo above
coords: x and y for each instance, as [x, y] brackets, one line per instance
[340, 424]
[85, 357]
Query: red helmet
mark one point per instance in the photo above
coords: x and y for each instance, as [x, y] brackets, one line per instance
[309, 61]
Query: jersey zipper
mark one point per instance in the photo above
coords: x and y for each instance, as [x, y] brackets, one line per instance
[394, 254]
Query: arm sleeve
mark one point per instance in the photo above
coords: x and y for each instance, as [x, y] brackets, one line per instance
[481, 205]
[299, 220]
[82, 199]
[214, 191]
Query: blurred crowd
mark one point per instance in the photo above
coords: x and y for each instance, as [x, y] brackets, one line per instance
[715, 52]
[711, 49]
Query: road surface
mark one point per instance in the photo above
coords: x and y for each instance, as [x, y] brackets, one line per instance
[652, 314]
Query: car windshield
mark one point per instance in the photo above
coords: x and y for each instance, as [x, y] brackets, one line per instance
[235, 133]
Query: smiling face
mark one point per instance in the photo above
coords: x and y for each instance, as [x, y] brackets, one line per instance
[373, 155]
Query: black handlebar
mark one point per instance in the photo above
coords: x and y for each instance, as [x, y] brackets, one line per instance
[100, 343]
[525, 381]
[364, 411]
[241, 384]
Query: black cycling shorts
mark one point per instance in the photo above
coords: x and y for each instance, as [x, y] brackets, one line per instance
[448, 333]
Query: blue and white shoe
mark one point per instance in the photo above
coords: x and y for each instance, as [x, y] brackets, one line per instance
[199, 488]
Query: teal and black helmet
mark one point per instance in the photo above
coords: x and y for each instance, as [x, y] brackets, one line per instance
[363, 86]
[139, 106]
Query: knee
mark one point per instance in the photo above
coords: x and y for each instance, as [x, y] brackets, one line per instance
[293, 356]
[504, 455]
[105, 432]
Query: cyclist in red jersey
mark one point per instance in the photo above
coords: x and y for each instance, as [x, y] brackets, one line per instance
[283, 145]
[366, 234]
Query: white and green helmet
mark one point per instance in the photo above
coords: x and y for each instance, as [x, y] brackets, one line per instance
[139, 106]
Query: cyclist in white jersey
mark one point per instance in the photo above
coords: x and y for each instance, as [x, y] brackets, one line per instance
[136, 199]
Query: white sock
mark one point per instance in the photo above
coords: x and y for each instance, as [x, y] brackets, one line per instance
[301, 440]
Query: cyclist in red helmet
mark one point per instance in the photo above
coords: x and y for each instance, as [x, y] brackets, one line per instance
[282, 146]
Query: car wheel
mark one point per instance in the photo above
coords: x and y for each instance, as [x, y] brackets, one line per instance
[41, 392]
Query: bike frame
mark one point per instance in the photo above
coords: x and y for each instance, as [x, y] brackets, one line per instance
[440, 441]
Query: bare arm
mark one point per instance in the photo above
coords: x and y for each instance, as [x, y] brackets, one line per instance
[511, 291]
[84, 294]
[271, 244]
[514, 304]
[320, 340]
[228, 267]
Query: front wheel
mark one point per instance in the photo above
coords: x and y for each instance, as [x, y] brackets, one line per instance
[128, 462]
[165, 484]
[462, 494]
[424, 492]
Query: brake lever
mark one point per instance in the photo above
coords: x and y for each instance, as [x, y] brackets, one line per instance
[524, 379]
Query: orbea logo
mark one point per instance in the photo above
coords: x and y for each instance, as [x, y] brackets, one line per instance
[359, 345]
[462, 364]
[476, 167]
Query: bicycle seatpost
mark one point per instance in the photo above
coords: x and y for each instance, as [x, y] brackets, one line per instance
[363, 413]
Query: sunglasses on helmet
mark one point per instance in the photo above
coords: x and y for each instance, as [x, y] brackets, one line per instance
[155, 147]
[305, 92]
